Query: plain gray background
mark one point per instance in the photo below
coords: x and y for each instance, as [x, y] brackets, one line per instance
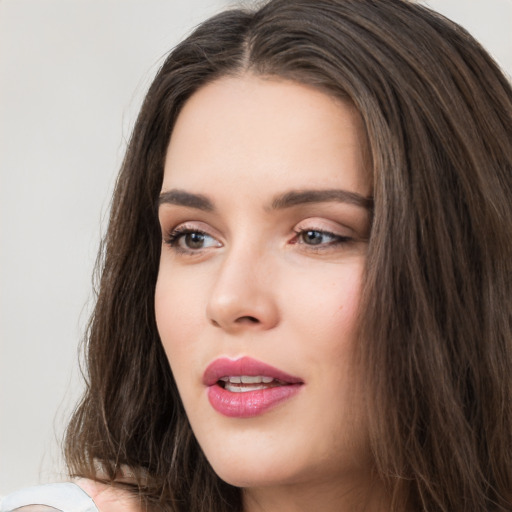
[72, 76]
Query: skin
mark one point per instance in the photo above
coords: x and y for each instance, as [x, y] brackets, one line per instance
[252, 282]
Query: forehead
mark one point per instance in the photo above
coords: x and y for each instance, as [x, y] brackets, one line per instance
[266, 132]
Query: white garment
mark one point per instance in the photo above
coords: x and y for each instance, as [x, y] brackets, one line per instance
[66, 497]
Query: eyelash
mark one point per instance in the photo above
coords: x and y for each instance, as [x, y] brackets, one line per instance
[337, 240]
[176, 235]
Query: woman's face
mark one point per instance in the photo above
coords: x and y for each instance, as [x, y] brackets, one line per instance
[265, 226]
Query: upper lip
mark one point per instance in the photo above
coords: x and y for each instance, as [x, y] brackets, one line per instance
[225, 367]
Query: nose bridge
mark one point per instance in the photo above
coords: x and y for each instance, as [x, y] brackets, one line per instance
[242, 296]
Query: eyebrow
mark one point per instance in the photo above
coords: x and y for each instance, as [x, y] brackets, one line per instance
[280, 202]
[182, 198]
[298, 197]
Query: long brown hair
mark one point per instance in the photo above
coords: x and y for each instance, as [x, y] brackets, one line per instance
[436, 315]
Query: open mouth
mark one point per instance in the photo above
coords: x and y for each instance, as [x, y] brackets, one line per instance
[246, 387]
[246, 383]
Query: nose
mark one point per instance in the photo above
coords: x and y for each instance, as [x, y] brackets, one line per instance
[243, 297]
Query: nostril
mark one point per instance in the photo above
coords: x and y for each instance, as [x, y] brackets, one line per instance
[248, 319]
[241, 320]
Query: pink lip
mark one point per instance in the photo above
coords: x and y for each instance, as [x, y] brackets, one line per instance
[250, 403]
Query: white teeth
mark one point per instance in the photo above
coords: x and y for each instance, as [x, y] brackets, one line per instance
[243, 389]
[247, 379]
[251, 380]
[244, 383]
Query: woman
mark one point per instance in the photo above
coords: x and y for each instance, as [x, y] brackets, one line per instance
[305, 296]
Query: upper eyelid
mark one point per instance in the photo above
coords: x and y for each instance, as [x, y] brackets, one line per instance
[184, 228]
[320, 230]
[190, 225]
[325, 226]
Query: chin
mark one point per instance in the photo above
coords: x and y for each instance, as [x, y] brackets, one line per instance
[253, 455]
[267, 466]
[251, 475]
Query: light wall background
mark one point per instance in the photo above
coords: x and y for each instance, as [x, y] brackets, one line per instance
[72, 76]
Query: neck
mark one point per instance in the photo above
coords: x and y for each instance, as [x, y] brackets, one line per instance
[327, 497]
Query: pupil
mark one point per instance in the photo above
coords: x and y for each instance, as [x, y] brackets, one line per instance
[313, 237]
[194, 240]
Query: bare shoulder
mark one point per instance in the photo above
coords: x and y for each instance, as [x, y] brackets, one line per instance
[109, 498]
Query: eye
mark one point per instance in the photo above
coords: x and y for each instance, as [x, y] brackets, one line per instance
[315, 237]
[320, 239]
[186, 239]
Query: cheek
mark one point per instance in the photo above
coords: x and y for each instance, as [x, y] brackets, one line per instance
[324, 325]
[177, 307]
[179, 296]
[180, 310]
[326, 306]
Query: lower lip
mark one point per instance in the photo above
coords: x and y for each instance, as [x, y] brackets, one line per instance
[250, 403]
